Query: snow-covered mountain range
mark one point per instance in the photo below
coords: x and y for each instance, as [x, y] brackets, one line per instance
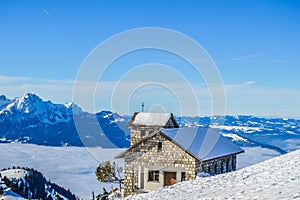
[29, 119]
[279, 134]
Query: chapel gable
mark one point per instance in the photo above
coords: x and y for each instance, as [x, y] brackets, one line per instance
[143, 124]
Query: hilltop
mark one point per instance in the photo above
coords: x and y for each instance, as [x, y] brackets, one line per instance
[27, 183]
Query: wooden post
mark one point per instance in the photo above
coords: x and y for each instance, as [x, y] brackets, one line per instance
[93, 194]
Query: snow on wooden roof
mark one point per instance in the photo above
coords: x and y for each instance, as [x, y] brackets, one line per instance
[151, 119]
[202, 143]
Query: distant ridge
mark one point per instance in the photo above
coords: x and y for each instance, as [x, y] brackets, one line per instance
[29, 119]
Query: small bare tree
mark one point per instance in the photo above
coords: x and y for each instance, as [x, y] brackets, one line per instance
[108, 172]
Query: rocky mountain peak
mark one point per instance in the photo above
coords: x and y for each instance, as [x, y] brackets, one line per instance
[3, 100]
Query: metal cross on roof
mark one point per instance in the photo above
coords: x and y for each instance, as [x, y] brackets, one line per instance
[142, 106]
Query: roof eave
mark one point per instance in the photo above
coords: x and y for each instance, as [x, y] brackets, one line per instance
[242, 151]
[121, 155]
[132, 120]
[196, 157]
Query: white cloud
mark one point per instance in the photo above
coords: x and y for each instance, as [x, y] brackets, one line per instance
[12, 79]
[59, 91]
[250, 82]
[262, 101]
[246, 57]
[47, 13]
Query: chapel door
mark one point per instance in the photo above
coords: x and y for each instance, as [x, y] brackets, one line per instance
[169, 178]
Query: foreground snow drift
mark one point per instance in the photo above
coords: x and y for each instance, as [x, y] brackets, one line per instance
[277, 178]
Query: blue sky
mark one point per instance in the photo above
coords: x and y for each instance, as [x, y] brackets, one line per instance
[255, 45]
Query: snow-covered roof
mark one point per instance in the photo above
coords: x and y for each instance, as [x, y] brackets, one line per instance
[203, 143]
[150, 119]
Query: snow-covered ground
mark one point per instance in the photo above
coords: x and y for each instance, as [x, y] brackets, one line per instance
[277, 178]
[74, 167]
[11, 174]
[9, 195]
[14, 173]
[234, 137]
[229, 128]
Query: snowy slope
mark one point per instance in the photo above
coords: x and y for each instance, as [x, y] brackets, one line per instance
[11, 174]
[277, 178]
[14, 173]
[8, 194]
